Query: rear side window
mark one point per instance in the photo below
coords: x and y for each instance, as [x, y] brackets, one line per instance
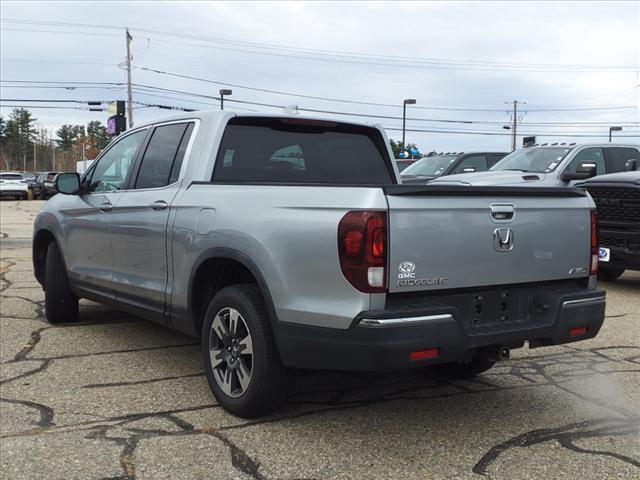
[10, 176]
[163, 157]
[616, 158]
[255, 149]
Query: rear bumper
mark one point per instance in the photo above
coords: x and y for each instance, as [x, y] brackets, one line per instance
[384, 340]
[14, 192]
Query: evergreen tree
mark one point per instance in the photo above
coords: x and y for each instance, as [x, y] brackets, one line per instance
[19, 136]
[67, 136]
[97, 135]
[396, 147]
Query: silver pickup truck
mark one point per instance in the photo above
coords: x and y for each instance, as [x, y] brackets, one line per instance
[286, 242]
[555, 165]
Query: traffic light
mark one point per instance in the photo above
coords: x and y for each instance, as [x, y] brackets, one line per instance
[116, 123]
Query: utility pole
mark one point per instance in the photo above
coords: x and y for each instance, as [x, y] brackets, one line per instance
[129, 94]
[34, 155]
[84, 158]
[514, 123]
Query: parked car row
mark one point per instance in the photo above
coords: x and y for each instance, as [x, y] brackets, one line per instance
[608, 172]
[555, 165]
[18, 185]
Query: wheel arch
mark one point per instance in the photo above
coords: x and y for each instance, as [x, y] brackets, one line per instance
[41, 241]
[199, 295]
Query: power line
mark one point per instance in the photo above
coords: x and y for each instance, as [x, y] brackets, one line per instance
[508, 134]
[142, 87]
[431, 130]
[340, 100]
[99, 34]
[345, 56]
[43, 60]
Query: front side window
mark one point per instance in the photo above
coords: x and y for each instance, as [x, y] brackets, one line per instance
[477, 162]
[533, 159]
[160, 161]
[265, 149]
[588, 155]
[114, 166]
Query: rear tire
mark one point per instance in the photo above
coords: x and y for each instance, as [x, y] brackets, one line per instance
[245, 384]
[609, 274]
[477, 366]
[61, 304]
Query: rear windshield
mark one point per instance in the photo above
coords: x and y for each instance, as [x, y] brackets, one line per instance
[536, 159]
[10, 176]
[430, 166]
[256, 149]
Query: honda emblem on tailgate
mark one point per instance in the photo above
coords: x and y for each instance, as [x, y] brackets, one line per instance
[503, 239]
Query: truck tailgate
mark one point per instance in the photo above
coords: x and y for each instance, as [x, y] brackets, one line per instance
[454, 237]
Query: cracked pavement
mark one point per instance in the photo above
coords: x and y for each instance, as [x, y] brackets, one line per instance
[117, 397]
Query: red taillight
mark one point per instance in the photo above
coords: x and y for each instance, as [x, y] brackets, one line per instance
[362, 249]
[424, 354]
[594, 243]
[578, 332]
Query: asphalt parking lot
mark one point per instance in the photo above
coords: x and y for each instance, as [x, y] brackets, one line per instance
[115, 397]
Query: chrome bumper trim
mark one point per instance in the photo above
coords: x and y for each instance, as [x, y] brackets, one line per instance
[397, 322]
[581, 302]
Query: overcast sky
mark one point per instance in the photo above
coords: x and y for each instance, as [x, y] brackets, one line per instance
[550, 55]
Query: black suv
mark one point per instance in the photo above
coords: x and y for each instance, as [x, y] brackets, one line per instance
[617, 197]
[46, 185]
[428, 168]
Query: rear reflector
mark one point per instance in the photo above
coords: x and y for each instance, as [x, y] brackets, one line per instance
[424, 354]
[593, 268]
[578, 332]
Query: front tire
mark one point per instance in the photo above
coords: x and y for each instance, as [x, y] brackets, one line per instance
[609, 274]
[61, 304]
[241, 360]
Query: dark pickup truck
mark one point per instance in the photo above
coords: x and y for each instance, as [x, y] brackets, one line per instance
[617, 198]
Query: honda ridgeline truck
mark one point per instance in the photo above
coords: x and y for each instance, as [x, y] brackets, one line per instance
[286, 242]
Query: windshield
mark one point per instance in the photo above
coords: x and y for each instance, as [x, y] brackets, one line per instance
[430, 166]
[538, 160]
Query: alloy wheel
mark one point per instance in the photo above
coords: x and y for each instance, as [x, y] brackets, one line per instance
[231, 352]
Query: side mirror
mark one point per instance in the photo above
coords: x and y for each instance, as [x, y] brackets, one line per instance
[583, 171]
[631, 165]
[68, 183]
[469, 169]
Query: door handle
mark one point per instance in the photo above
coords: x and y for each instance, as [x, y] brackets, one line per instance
[502, 212]
[158, 205]
[106, 206]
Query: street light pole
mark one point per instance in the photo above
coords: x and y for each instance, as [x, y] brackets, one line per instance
[128, 39]
[613, 129]
[408, 101]
[223, 92]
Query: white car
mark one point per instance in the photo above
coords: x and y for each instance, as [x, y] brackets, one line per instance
[13, 185]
